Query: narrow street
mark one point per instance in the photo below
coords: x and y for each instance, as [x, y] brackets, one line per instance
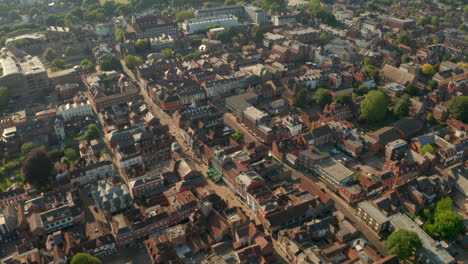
[226, 194]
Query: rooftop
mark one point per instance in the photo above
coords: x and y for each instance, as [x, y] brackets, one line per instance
[430, 248]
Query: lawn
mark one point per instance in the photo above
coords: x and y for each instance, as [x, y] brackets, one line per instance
[126, 2]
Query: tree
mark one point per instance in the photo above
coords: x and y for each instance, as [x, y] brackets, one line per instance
[26, 148]
[183, 15]
[167, 53]
[83, 258]
[345, 99]
[433, 84]
[49, 54]
[458, 107]
[403, 39]
[323, 97]
[423, 21]
[412, 89]
[93, 132]
[401, 108]
[133, 61]
[323, 39]
[444, 204]
[428, 69]
[56, 63]
[70, 51]
[119, 34]
[71, 154]
[448, 224]
[374, 106]
[403, 243]
[87, 64]
[3, 95]
[230, 2]
[142, 45]
[111, 63]
[427, 148]
[435, 21]
[38, 168]
[431, 119]
[405, 58]
[238, 136]
[361, 90]
[301, 98]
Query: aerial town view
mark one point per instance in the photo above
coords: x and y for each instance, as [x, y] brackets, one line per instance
[233, 131]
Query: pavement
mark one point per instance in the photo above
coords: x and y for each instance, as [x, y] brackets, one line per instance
[226, 194]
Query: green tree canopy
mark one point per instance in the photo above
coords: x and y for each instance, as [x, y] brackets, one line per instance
[3, 95]
[49, 54]
[445, 222]
[401, 108]
[93, 132]
[133, 61]
[458, 107]
[87, 64]
[323, 97]
[83, 258]
[374, 106]
[142, 45]
[405, 58]
[433, 84]
[60, 64]
[38, 168]
[167, 53]
[428, 69]
[403, 243]
[317, 11]
[448, 224]
[230, 2]
[427, 148]
[302, 97]
[71, 154]
[119, 34]
[26, 148]
[183, 15]
[345, 99]
[423, 21]
[70, 51]
[238, 136]
[323, 39]
[111, 63]
[412, 89]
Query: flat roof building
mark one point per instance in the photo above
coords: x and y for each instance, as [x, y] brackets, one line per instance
[431, 251]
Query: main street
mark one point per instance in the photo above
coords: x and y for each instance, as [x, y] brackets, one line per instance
[221, 190]
[340, 203]
[226, 194]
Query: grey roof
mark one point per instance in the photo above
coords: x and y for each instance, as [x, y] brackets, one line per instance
[430, 248]
[375, 213]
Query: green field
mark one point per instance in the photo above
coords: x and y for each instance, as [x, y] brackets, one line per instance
[117, 1]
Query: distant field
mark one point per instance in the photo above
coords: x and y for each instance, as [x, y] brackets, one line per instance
[117, 1]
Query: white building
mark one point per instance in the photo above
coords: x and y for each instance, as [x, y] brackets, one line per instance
[342, 15]
[93, 172]
[129, 160]
[256, 15]
[283, 20]
[223, 85]
[194, 25]
[69, 111]
[311, 79]
[56, 219]
[59, 129]
[112, 198]
[294, 125]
